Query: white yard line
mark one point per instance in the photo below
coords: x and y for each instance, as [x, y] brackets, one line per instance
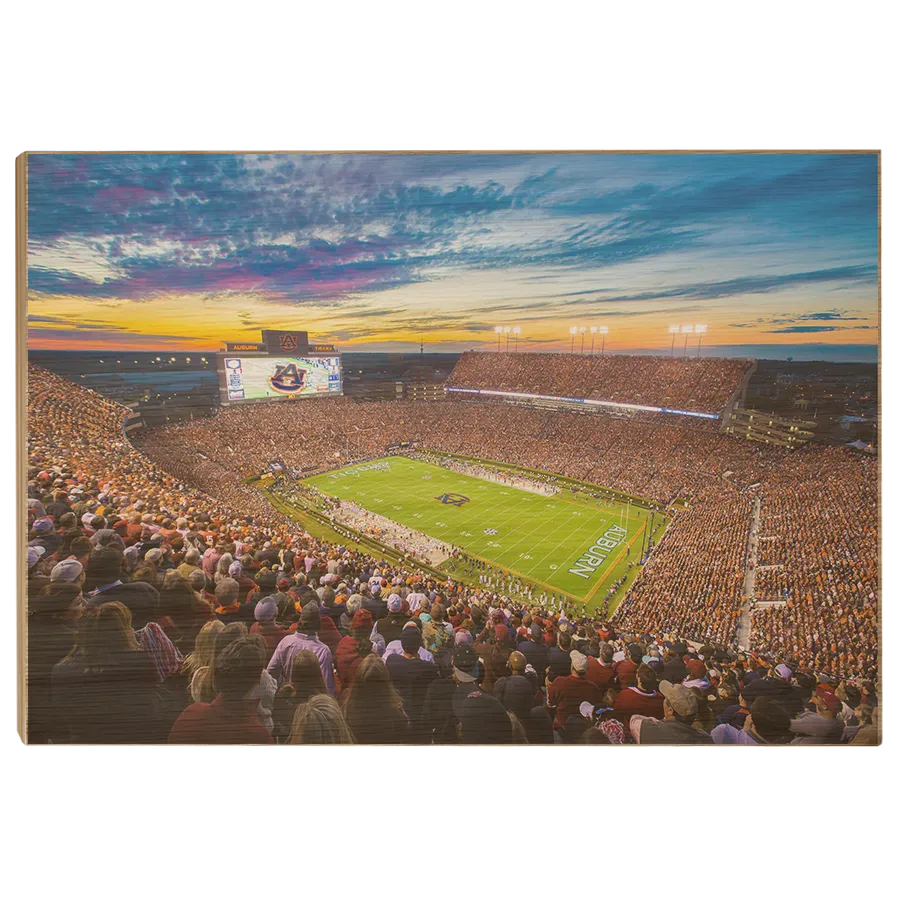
[556, 548]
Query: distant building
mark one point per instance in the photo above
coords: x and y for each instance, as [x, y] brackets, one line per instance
[767, 428]
[421, 383]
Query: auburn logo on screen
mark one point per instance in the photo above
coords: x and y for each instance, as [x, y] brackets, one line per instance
[289, 342]
[452, 499]
[288, 379]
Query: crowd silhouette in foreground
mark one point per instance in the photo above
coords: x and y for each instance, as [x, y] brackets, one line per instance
[167, 601]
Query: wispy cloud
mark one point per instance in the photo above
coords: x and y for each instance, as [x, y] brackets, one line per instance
[357, 237]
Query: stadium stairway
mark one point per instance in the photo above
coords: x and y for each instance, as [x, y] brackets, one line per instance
[743, 635]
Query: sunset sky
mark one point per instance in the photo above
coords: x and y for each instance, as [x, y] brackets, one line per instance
[378, 252]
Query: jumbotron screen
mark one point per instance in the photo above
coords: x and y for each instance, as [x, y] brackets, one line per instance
[274, 377]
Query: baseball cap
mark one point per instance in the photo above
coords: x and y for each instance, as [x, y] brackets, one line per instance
[828, 697]
[465, 663]
[680, 698]
[484, 720]
[579, 662]
[67, 570]
[410, 640]
[310, 617]
[265, 610]
[394, 603]
[34, 554]
[696, 668]
[42, 526]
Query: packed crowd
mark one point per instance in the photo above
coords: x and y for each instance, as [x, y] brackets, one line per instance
[693, 384]
[386, 531]
[537, 485]
[692, 584]
[127, 557]
[658, 461]
[819, 513]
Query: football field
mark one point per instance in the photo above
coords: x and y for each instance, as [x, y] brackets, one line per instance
[570, 546]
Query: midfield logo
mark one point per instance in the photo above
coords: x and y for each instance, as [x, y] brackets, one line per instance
[288, 379]
[452, 499]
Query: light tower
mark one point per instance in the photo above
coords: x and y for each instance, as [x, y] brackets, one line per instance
[673, 330]
[516, 332]
[701, 330]
[581, 331]
[498, 330]
[593, 334]
[604, 331]
[573, 331]
[506, 331]
[686, 330]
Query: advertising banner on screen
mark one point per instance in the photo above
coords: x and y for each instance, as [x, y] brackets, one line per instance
[274, 377]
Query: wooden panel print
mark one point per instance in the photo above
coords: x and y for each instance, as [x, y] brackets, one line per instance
[436, 448]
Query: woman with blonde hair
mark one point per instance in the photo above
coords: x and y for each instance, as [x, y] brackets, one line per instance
[201, 660]
[319, 721]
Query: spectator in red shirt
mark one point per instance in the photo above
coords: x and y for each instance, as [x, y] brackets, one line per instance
[641, 699]
[567, 693]
[602, 671]
[626, 670]
[232, 716]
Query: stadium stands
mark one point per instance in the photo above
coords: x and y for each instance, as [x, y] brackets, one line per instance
[686, 383]
[229, 622]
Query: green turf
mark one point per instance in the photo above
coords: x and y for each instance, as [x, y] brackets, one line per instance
[539, 538]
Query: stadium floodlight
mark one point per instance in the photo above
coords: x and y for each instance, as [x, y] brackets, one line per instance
[701, 330]
[604, 331]
[498, 330]
[517, 330]
[506, 331]
[593, 333]
[582, 331]
[573, 331]
[686, 330]
[673, 330]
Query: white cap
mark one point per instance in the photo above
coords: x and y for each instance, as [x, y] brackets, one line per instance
[67, 570]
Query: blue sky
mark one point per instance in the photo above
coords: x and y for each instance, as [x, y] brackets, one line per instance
[380, 251]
